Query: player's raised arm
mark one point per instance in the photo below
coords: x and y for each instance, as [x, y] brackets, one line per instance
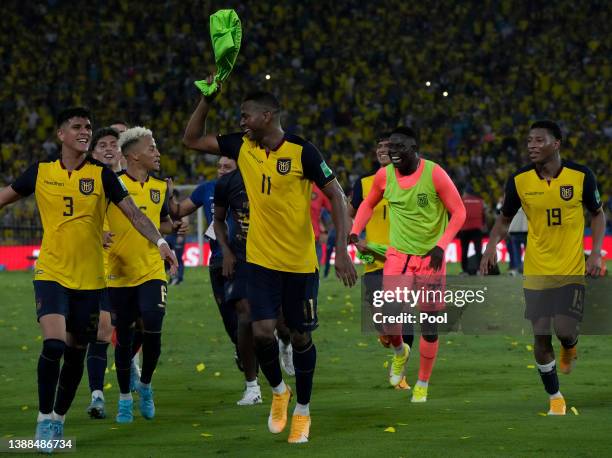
[345, 270]
[366, 208]
[195, 136]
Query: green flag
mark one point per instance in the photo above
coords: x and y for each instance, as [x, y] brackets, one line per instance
[226, 36]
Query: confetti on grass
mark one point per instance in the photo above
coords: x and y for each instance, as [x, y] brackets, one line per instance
[206, 435]
[26, 408]
[574, 411]
[529, 347]
[530, 366]
[200, 367]
[108, 386]
[390, 429]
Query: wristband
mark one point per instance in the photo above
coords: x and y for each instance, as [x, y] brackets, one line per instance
[161, 242]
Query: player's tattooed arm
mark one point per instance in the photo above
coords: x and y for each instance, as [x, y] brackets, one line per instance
[148, 230]
[7, 196]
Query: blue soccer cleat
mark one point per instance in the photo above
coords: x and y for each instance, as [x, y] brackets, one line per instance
[57, 429]
[44, 433]
[134, 376]
[124, 413]
[96, 408]
[147, 406]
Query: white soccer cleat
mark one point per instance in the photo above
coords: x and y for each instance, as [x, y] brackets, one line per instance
[286, 357]
[251, 397]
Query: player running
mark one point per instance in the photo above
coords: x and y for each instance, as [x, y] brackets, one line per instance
[377, 232]
[552, 193]
[420, 194]
[278, 170]
[72, 194]
[137, 279]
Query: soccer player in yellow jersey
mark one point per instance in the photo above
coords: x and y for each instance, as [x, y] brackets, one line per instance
[552, 192]
[136, 279]
[278, 170]
[72, 194]
[104, 149]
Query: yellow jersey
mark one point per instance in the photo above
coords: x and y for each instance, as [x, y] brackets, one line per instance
[377, 229]
[132, 259]
[555, 217]
[72, 205]
[279, 188]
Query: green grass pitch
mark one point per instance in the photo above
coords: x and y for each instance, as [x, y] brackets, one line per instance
[485, 396]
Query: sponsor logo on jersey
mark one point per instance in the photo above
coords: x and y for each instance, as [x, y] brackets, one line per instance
[155, 195]
[567, 192]
[86, 185]
[283, 165]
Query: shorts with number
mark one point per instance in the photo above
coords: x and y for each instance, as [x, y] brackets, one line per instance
[132, 302]
[80, 308]
[236, 286]
[296, 293]
[566, 300]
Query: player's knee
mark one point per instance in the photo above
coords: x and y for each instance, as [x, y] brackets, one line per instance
[262, 340]
[53, 349]
[263, 332]
[105, 332]
[152, 321]
[300, 339]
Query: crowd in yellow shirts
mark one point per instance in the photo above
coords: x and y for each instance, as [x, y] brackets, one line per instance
[344, 71]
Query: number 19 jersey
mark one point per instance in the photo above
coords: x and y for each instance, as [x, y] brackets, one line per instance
[555, 216]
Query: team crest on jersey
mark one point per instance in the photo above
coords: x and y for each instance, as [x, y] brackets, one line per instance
[422, 200]
[567, 192]
[86, 185]
[283, 165]
[155, 195]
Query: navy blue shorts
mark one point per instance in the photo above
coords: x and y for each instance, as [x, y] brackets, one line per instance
[296, 293]
[217, 281]
[236, 287]
[566, 300]
[81, 308]
[105, 305]
[146, 301]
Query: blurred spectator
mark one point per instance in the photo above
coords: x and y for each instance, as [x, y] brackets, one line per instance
[517, 242]
[472, 230]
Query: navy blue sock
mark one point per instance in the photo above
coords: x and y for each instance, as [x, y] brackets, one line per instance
[48, 373]
[151, 349]
[96, 364]
[304, 361]
[548, 374]
[267, 356]
[69, 379]
[123, 358]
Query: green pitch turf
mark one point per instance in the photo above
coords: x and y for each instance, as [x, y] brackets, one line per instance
[485, 397]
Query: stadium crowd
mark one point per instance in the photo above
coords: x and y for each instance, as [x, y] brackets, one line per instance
[469, 76]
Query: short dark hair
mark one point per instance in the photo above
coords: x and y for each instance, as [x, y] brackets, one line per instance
[265, 99]
[407, 131]
[382, 136]
[103, 132]
[72, 112]
[551, 126]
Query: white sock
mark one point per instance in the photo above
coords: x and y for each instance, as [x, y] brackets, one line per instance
[97, 394]
[544, 368]
[399, 351]
[252, 384]
[302, 409]
[58, 417]
[422, 383]
[556, 395]
[125, 397]
[44, 416]
[280, 389]
[145, 385]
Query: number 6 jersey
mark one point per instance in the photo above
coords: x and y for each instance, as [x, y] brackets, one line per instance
[72, 207]
[555, 216]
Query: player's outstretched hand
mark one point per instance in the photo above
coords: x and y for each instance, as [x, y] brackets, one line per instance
[229, 264]
[211, 97]
[168, 255]
[181, 227]
[489, 259]
[593, 264]
[345, 270]
[436, 258]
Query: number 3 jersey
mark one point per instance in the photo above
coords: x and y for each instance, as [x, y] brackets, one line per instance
[555, 216]
[132, 259]
[72, 207]
[279, 187]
